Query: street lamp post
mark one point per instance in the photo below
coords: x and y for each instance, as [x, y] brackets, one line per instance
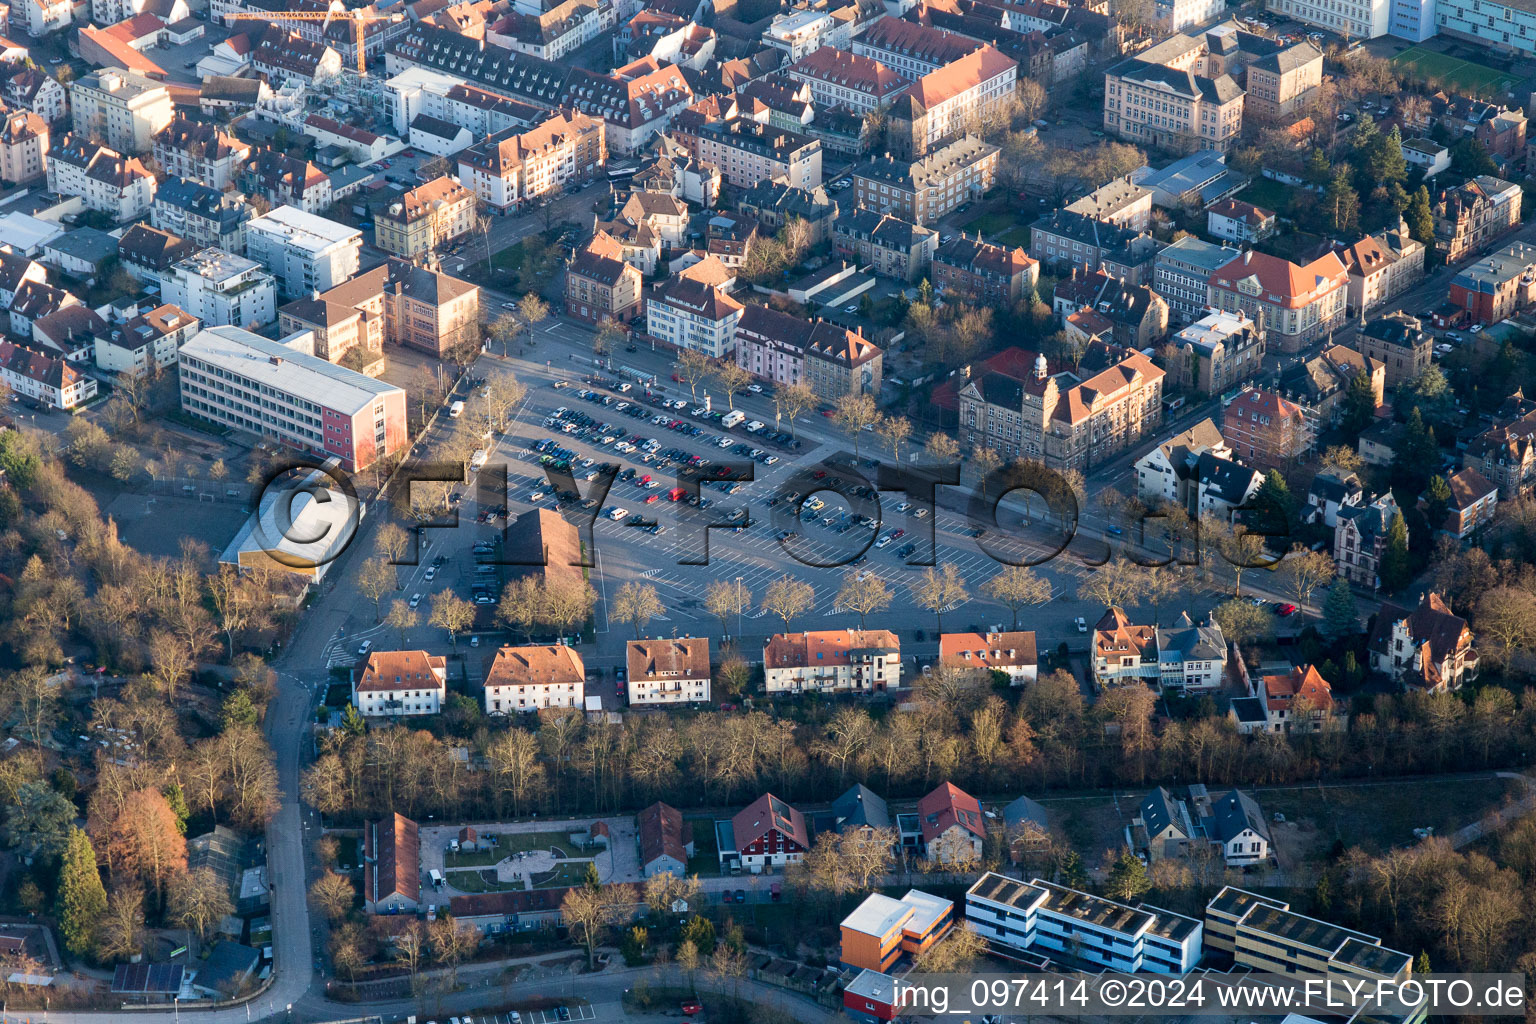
[738, 609]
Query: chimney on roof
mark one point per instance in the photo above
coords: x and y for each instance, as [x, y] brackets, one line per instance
[1247, 257]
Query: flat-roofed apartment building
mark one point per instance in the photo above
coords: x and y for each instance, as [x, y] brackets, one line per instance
[1040, 917]
[1264, 934]
[525, 679]
[832, 661]
[669, 671]
[882, 929]
[304, 252]
[237, 379]
[401, 683]
[221, 289]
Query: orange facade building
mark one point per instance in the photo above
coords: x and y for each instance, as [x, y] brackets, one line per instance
[881, 930]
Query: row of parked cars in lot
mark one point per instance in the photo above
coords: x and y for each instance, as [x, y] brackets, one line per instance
[728, 420]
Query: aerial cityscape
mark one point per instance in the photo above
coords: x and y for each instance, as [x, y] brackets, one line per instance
[748, 511]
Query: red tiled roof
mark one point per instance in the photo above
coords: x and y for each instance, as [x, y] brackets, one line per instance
[392, 670]
[661, 831]
[1282, 282]
[956, 77]
[995, 650]
[1304, 682]
[947, 806]
[824, 647]
[1236, 209]
[393, 865]
[769, 812]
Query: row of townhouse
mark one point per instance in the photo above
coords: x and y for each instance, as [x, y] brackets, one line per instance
[529, 678]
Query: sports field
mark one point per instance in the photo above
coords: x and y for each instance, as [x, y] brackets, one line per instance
[1462, 75]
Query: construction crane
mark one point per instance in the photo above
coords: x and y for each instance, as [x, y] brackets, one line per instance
[334, 12]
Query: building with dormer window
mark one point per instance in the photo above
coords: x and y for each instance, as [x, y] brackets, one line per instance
[526, 679]
[832, 661]
[1299, 304]
[1429, 648]
[668, 671]
[767, 833]
[1011, 653]
[401, 683]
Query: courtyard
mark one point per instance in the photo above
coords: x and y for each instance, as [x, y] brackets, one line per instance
[517, 856]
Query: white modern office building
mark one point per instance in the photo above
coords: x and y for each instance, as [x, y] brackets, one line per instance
[281, 389]
[222, 289]
[306, 253]
[1042, 918]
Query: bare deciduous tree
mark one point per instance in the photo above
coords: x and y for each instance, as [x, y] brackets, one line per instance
[724, 599]
[939, 590]
[863, 592]
[788, 597]
[636, 603]
[1016, 587]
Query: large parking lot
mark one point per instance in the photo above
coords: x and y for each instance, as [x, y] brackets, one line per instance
[658, 440]
[662, 520]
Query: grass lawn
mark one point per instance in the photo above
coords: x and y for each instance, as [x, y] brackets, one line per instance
[346, 851]
[993, 223]
[565, 874]
[1377, 817]
[1271, 195]
[508, 843]
[472, 858]
[474, 881]
[706, 855]
[517, 842]
[1014, 236]
[1463, 75]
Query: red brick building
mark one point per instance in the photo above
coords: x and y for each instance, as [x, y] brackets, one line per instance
[990, 273]
[1265, 430]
